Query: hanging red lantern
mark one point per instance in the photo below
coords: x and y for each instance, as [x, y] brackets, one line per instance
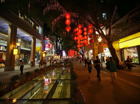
[75, 38]
[91, 41]
[79, 31]
[78, 41]
[82, 42]
[67, 22]
[80, 36]
[90, 31]
[85, 42]
[68, 28]
[67, 15]
[90, 26]
[85, 33]
[85, 29]
[78, 45]
[85, 37]
[79, 26]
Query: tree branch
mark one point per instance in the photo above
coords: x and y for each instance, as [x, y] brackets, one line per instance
[111, 21]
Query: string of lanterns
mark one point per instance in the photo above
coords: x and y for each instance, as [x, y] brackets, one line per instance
[83, 35]
[68, 22]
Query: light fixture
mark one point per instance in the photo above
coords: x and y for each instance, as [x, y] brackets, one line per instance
[18, 44]
[44, 54]
[99, 39]
[15, 51]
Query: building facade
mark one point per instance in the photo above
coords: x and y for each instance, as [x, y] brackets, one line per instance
[19, 39]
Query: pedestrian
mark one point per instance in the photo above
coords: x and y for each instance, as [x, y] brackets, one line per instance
[128, 63]
[41, 63]
[97, 66]
[21, 67]
[89, 65]
[112, 67]
[85, 62]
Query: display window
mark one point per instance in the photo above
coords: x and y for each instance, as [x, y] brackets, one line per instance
[132, 53]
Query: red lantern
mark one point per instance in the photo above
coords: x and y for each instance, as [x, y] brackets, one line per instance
[68, 28]
[78, 45]
[75, 38]
[79, 26]
[91, 41]
[67, 15]
[90, 31]
[78, 41]
[80, 31]
[85, 29]
[85, 42]
[67, 22]
[85, 37]
[85, 33]
[90, 26]
[80, 36]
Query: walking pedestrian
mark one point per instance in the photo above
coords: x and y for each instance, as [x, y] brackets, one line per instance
[89, 64]
[21, 67]
[97, 66]
[85, 60]
[111, 66]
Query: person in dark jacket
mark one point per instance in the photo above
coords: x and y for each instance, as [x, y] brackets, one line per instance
[89, 65]
[97, 66]
[111, 66]
[128, 63]
[21, 67]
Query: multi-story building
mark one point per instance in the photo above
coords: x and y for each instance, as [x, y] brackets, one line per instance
[20, 38]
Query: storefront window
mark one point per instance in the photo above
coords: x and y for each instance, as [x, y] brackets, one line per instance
[132, 53]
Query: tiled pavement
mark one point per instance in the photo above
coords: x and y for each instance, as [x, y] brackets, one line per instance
[125, 90]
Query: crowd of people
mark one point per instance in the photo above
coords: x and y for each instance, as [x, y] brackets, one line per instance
[111, 66]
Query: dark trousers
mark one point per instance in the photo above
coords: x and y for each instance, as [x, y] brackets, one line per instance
[98, 74]
[21, 69]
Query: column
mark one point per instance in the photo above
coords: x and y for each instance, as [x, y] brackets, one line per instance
[33, 46]
[11, 44]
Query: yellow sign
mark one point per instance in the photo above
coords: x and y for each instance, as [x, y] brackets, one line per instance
[15, 51]
[129, 41]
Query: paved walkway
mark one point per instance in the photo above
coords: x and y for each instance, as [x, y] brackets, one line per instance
[5, 76]
[16, 68]
[124, 90]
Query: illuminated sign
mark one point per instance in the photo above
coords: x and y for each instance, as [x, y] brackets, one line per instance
[48, 45]
[130, 43]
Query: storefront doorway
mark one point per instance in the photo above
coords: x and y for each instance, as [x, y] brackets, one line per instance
[132, 53]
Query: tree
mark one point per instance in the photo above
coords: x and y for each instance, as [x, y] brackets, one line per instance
[108, 36]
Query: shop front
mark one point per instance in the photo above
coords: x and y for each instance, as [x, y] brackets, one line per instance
[129, 47]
